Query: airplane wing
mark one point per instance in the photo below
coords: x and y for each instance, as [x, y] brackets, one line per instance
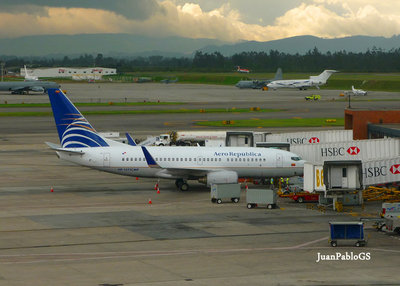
[176, 172]
[22, 88]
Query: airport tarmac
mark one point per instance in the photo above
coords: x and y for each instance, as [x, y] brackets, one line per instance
[99, 229]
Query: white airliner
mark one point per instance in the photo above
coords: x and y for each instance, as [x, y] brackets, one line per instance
[302, 83]
[29, 77]
[82, 145]
[357, 92]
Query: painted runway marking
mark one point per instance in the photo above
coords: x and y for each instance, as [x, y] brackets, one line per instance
[65, 257]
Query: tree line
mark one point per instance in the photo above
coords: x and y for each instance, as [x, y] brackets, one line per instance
[374, 60]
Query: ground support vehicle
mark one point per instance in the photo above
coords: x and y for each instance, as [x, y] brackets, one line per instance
[392, 222]
[259, 197]
[305, 197]
[349, 231]
[313, 97]
[221, 192]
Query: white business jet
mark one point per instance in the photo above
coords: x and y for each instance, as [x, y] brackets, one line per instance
[81, 144]
[29, 77]
[316, 81]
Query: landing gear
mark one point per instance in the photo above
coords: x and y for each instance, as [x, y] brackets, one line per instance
[182, 185]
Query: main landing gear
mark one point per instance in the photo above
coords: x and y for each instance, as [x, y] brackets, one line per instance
[182, 185]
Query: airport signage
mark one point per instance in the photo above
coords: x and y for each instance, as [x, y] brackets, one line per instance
[373, 172]
[313, 140]
[353, 150]
[339, 151]
[395, 169]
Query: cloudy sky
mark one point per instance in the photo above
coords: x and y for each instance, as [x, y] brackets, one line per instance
[227, 20]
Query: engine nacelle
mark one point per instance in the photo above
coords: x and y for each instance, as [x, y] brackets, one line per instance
[220, 177]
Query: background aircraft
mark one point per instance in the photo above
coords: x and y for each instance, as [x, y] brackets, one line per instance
[24, 87]
[82, 145]
[28, 76]
[302, 83]
[258, 84]
[242, 70]
[356, 92]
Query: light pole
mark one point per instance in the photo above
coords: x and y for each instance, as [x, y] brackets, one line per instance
[2, 70]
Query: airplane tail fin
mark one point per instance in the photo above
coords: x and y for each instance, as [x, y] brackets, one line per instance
[323, 77]
[278, 74]
[73, 129]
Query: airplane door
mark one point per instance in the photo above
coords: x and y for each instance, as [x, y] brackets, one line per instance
[106, 160]
[279, 160]
[200, 160]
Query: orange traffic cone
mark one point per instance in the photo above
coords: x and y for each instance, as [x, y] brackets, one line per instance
[156, 186]
[51, 190]
[137, 178]
[150, 202]
[158, 190]
[246, 187]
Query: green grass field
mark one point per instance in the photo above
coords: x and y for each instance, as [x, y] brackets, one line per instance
[290, 122]
[339, 81]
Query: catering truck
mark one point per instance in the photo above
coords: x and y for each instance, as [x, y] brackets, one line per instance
[209, 138]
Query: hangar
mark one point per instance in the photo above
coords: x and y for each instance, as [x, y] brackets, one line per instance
[80, 72]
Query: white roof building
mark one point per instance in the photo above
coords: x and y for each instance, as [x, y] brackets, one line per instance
[81, 73]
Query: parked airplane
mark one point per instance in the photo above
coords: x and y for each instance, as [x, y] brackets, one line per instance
[302, 83]
[168, 80]
[258, 84]
[81, 144]
[24, 87]
[242, 70]
[28, 76]
[356, 92]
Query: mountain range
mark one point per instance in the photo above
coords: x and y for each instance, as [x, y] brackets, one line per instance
[127, 45]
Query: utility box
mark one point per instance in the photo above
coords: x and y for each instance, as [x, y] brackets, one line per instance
[257, 197]
[221, 192]
[352, 232]
[351, 199]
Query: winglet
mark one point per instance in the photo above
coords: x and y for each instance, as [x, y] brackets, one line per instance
[149, 159]
[130, 140]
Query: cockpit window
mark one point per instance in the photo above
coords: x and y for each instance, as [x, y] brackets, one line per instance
[296, 158]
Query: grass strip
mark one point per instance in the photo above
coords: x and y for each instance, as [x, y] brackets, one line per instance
[286, 122]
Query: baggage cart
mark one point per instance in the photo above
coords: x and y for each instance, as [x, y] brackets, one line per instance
[257, 197]
[350, 231]
[220, 192]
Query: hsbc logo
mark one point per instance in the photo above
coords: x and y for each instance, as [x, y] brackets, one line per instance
[395, 169]
[353, 150]
[313, 140]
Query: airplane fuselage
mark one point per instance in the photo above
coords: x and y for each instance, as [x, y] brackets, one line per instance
[130, 161]
[27, 85]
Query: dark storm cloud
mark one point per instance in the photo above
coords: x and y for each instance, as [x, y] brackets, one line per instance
[131, 9]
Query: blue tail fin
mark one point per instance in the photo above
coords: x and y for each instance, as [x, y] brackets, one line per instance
[73, 129]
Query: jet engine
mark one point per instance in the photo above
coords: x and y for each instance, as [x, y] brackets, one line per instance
[220, 177]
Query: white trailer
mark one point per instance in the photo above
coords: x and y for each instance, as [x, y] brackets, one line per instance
[220, 192]
[351, 150]
[257, 197]
[311, 137]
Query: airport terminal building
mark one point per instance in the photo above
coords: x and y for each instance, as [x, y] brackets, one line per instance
[75, 73]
